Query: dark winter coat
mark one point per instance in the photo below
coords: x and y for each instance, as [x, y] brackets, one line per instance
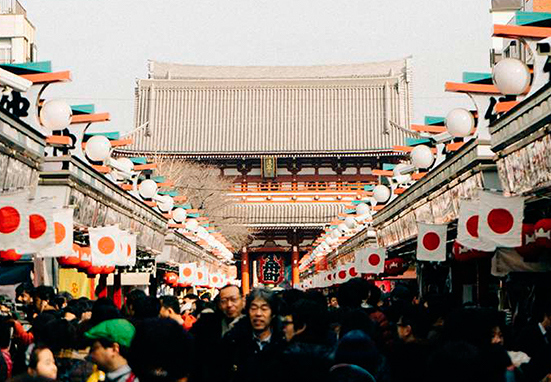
[307, 361]
[243, 359]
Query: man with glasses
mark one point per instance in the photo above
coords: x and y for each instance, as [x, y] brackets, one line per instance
[231, 304]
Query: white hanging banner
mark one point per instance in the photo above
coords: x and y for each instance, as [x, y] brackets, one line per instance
[216, 280]
[187, 274]
[203, 276]
[105, 245]
[14, 228]
[501, 219]
[431, 242]
[346, 272]
[63, 234]
[126, 255]
[370, 260]
[468, 227]
[41, 226]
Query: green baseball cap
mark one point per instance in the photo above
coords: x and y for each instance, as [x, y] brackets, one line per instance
[118, 330]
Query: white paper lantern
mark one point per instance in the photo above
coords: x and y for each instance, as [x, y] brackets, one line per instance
[165, 203]
[362, 209]
[98, 148]
[148, 189]
[422, 156]
[121, 166]
[55, 115]
[192, 225]
[351, 222]
[331, 240]
[460, 123]
[179, 215]
[342, 228]
[335, 233]
[511, 76]
[381, 193]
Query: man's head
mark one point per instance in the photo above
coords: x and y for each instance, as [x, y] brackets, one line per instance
[190, 303]
[307, 321]
[413, 324]
[131, 298]
[262, 308]
[24, 293]
[231, 301]
[111, 340]
[170, 307]
[42, 363]
[161, 351]
[43, 298]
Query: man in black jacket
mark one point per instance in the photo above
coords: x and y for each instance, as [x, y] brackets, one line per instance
[253, 347]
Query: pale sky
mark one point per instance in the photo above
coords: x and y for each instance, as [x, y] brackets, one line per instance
[107, 43]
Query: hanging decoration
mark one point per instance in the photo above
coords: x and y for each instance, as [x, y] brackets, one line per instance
[271, 269]
[431, 242]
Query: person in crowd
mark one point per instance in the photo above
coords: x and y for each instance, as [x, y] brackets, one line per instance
[161, 351]
[42, 363]
[148, 307]
[61, 337]
[61, 300]
[190, 303]
[170, 308]
[131, 298]
[456, 361]
[409, 354]
[110, 346]
[211, 327]
[44, 300]
[357, 348]
[103, 309]
[253, 347]
[206, 297]
[333, 302]
[24, 295]
[310, 351]
[6, 362]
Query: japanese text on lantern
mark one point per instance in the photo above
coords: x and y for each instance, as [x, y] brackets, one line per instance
[271, 269]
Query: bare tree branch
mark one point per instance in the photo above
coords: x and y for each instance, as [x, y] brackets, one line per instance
[207, 191]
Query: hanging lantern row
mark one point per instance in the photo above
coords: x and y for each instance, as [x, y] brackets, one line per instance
[81, 260]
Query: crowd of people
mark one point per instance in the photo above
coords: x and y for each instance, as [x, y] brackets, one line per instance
[292, 335]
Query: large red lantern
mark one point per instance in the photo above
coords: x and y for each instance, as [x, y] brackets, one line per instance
[395, 267]
[70, 261]
[9, 255]
[543, 233]
[529, 247]
[84, 255]
[171, 278]
[462, 253]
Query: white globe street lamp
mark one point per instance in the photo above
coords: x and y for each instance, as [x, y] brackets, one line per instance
[98, 148]
[165, 203]
[511, 76]
[179, 215]
[460, 123]
[55, 115]
[148, 189]
[381, 193]
[422, 156]
[350, 222]
[192, 225]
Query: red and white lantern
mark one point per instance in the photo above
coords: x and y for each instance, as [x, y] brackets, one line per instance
[529, 247]
[543, 233]
[462, 253]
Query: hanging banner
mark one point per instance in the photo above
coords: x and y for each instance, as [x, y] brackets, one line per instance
[63, 234]
[431, 242]
[41, 226]
[105, 245]
[501, 219]
[271, 269]
[187, 274]
[370, 260]
[467, 227]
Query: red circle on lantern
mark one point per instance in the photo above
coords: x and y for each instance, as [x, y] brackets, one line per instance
[9, 220]
[500, 220]
[431, 241]
[374, 259]
[37, 226]
[472, 225]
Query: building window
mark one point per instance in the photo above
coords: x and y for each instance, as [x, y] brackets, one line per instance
[5, 51]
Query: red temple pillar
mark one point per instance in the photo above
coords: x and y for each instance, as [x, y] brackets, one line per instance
[117, 290]
[295, 278]
[245, 281]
